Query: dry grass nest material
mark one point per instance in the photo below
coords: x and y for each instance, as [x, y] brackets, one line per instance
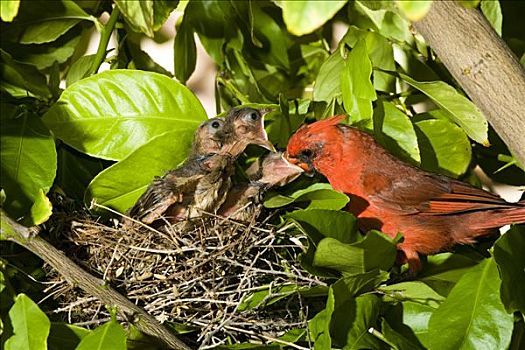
[211, 277]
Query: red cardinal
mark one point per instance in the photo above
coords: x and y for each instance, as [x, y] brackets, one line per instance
[433, 212]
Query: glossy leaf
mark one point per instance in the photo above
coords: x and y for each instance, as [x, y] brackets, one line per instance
[414, 10]
[274, 48]
[375, 251]
[45, 55]
[492, 11]
[397, 340]
[352, 319]
[321, 223]
[410, 320]
[41, 209]
[443, 271]
[328, 82]
[320, 196]
[414, 291]
[80, 69]
[30, 325]
[444, 147]
[381, 55]
[120, 185]
[75, 171]
[356, 86]
[303, 17]
[53, 19]
[508, 253]
[139, 14]
[21, 80]
[9, 10]
[28, 160]
[185, 51]
[394, 130]
[472, 316]
[456, 106]
[161, 11]
[111, 114]
[65, 336]
[319, 326]
[110, 335]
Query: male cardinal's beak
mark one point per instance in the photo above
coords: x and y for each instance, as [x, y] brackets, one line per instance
[307, 168]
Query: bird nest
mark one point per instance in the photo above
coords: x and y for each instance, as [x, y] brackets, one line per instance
[229, 282]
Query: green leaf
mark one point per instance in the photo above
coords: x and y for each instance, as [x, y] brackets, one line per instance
[508, 253]
[394, 130]
[319, 326]
[492, 11]
[274, 40]
[65, 336]
[9, 10]
[45, 55]
[472, 316]
[41, 21]
[356, 86]
[41, 209]
[303, 17]
[352, 319]
[141, 60]
[161, 11]
[406, 325]
[443, 271]
[80, 69]
[414, 10]
[444, 147]
[139, 15]
[414, 291]
[381, 55]
[321, 223]
[120, 185]
[30, 325]
[375, 251]
[456, 106]
[28, 161]
[18, 78]
[110, 335]
[75, 171]
[111, 114]
[320, 196]
[185, 51]
[328, 82]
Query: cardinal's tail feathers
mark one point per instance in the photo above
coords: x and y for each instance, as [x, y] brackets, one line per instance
[515, 215]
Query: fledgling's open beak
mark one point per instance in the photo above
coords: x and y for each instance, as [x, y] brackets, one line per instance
[262, 138]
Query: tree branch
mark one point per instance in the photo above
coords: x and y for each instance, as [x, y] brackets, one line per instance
[13, 231]
[482, 64]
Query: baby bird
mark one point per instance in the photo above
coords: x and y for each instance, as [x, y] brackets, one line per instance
[244, 201]
[202, 182]
[178, 186]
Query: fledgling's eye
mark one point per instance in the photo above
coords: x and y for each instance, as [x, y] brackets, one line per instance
[215, 125]
[254, 116]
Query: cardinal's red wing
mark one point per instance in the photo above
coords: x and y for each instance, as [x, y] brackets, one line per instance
[414, 191]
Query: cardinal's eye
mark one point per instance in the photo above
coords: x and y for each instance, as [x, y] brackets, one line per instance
[215, 125]
[307, 153]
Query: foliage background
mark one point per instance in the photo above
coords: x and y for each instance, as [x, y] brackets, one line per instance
[102, 137]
